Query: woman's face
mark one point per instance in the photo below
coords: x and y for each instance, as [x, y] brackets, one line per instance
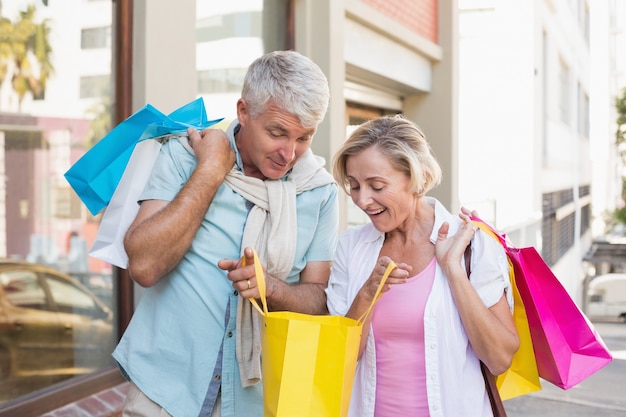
[380, 190]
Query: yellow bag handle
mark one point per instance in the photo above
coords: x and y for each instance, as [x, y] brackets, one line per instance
[490, 231]
[500, 238]
[260, 282]
[378, 294]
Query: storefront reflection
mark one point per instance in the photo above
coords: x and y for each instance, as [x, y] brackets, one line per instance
[52, 328]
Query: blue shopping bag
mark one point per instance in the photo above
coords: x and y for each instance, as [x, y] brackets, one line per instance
[96, 174]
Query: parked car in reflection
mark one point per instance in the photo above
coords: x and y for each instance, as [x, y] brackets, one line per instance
[51, 326]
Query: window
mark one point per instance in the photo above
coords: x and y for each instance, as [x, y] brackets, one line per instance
[583, 112]
[94, 86]
[95, 38]
[60, 298]
[584, 193]
[558, 224]
[564, 90]
[235, 34]
[70, 299]
[580, 8]
[596, 298]
[22, 290]
[221, 80]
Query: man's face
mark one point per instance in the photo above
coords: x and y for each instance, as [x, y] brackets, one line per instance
[271, 143]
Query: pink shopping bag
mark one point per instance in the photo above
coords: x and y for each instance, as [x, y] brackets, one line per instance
[567, 347]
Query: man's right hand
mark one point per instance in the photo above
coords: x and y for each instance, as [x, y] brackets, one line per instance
[212, 149]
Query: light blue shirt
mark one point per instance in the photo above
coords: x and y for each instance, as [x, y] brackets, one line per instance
[179, 347]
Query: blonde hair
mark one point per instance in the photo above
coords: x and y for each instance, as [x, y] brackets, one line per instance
[402, 141]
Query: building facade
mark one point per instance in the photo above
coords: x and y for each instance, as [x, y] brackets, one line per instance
[536, 123]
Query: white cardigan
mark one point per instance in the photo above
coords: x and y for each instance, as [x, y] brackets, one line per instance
[455, 386]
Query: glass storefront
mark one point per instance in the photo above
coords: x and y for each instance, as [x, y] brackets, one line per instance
[229, 36]
[57, 310]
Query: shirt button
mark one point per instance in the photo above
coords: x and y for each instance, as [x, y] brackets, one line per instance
[217, 377]
[433, 346]
[230, 334]
[235, 292]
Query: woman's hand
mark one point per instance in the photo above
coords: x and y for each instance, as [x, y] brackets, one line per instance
[365, 297]
[449, 250]
[398, 275]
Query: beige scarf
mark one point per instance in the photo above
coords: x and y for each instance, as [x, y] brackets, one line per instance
[271, 228]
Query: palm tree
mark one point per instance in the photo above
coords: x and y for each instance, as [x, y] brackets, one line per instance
[19, 44]
[6, 30]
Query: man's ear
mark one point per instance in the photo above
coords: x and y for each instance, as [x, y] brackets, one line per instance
[242, 111]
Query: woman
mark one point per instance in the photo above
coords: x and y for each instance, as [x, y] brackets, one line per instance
[422, 345]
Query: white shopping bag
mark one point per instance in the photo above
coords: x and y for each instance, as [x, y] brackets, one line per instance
[123, 207]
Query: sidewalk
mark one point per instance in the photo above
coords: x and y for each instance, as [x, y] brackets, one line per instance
[603, 394]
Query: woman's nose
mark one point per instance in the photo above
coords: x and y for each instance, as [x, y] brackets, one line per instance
[360, 198]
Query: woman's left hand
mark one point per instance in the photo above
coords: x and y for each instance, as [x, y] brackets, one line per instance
[449, 250]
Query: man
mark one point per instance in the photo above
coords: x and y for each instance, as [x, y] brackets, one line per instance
[192, 347]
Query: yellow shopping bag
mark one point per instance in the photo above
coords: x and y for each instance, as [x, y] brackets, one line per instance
[522, 377]
[308, 362]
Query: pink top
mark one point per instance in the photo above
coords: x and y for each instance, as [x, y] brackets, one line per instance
[398, 325]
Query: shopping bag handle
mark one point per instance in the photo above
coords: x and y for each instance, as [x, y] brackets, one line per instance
[500, 238]
[260, 282]
[490, 231]
[378, 293]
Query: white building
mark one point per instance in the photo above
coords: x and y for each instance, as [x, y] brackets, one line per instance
[534, 123]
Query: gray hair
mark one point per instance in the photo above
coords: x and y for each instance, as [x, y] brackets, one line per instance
[399, 139]
[294, 82]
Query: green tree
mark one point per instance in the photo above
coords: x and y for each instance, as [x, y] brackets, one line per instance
[618, 216]
[25, 53]
[620, 132]
[620, 106]
[6, 49]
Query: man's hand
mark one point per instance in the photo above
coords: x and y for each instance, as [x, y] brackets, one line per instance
[243, 276]
[212, 149]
